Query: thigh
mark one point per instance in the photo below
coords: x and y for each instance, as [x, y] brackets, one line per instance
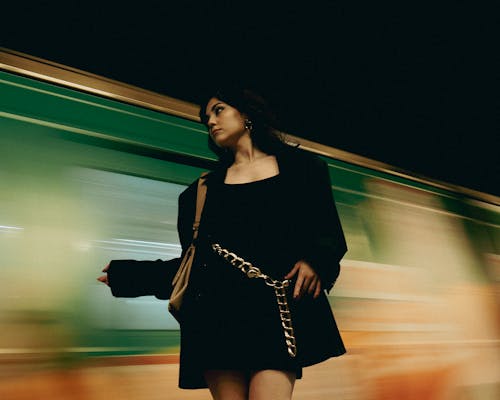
[227, 384]
[271, 384]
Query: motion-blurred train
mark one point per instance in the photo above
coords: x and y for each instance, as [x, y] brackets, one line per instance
[90, 170]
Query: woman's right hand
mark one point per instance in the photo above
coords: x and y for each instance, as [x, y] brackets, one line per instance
[104, 278]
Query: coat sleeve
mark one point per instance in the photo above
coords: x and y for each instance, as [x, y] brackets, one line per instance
[326, 245]
[133, 278]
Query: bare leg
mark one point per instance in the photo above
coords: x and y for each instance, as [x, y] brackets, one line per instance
[271, 384]
[227, 384]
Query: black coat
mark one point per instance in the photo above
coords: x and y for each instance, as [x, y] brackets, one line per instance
[318, 239]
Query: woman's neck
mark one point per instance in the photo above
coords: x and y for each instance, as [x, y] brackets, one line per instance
[248, 153]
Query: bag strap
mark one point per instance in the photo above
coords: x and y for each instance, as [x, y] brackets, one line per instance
[201, 195]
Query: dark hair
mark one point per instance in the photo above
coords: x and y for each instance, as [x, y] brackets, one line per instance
[265, 134]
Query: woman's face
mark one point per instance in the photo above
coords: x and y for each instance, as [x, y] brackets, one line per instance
[226, 125]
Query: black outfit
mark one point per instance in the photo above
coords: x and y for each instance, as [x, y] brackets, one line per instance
[229, 321]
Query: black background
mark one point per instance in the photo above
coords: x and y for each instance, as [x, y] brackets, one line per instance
[406, 83]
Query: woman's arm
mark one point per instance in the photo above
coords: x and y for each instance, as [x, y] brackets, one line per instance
[327, 243]
[132, 278]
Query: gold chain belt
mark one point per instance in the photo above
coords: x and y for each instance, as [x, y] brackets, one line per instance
[279, 289]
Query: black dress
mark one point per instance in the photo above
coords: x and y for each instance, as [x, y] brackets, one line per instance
[229, 321]
[233, 321]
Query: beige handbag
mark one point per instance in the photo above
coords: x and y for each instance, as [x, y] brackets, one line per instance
[181, 278]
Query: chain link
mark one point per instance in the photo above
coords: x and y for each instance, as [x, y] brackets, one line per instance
[279, 289]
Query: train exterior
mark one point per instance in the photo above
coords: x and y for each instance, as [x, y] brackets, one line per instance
[90, 170]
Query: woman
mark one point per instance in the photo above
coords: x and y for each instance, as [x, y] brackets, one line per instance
[271, 205]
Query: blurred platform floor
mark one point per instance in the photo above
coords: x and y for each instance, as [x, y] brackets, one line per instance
[152, 382]
[350, 377]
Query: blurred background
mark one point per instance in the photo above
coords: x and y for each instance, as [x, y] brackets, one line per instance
[405, 83]
[85, 179]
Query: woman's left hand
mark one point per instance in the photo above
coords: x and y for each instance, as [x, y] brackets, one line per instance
[307, 280]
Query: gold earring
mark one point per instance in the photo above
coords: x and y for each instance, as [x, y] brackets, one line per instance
[248, 125]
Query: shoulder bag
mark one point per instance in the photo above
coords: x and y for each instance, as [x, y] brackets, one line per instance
[181, 279]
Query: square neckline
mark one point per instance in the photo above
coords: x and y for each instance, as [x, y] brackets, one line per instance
[258, 180]
[250, 182]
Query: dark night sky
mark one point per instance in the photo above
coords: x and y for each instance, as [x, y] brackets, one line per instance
[406, 84]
